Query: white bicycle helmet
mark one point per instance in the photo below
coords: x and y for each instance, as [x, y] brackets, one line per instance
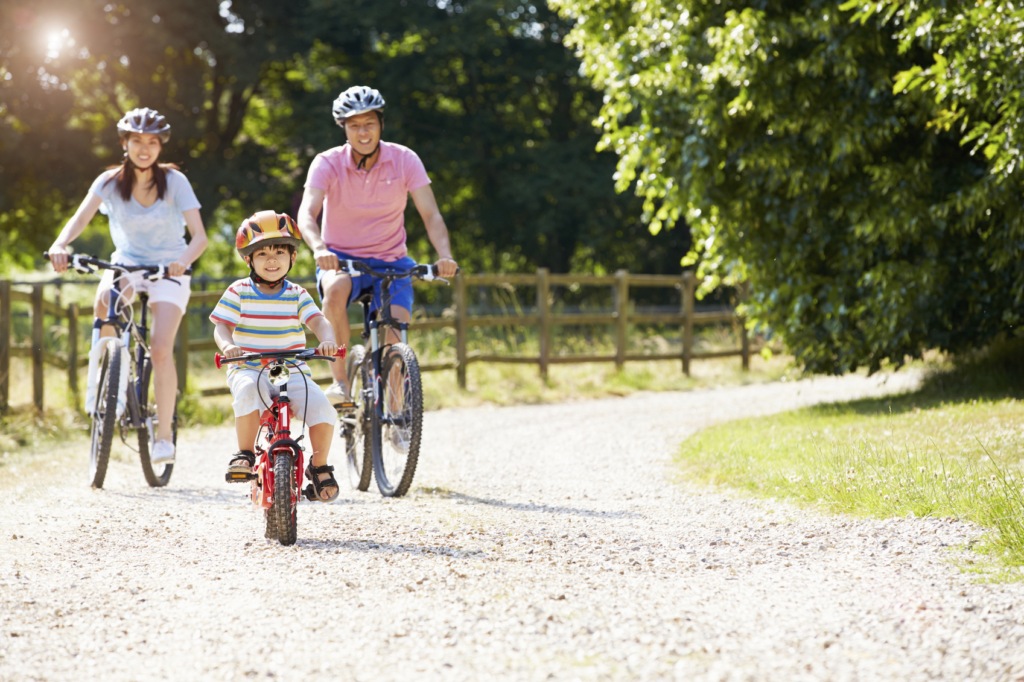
[144, 120]
[357, 100]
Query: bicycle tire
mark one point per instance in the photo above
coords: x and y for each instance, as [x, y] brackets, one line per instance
[281, 517]
[355, 429]
[398, 422]
[104, 414]
[147, 430]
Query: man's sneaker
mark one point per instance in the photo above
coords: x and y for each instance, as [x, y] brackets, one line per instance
[397, 438]
[163, 452]
[337, 393]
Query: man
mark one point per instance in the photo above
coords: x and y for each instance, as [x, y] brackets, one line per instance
[362, 188]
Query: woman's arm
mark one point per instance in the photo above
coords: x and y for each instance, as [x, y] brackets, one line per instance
[196, 245]
[59, 249]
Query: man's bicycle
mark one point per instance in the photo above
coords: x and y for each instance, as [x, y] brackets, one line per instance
[135, 412]
[382, 433]
[277, 473]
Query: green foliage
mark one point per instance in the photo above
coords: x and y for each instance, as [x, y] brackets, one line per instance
[866, 228]
[485, 92]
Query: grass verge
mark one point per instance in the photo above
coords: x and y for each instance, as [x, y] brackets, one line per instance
[952, 448]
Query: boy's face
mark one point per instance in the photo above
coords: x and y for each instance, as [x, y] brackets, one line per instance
[272, 262]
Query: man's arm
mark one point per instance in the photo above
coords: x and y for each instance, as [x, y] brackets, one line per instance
[309, 211]
[437, 231]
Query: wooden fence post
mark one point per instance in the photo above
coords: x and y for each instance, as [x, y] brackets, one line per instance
[461, 329]
[689, 290]
[744, 291]
[621, 317]
[73, 350]
[37, 346]
[544, 315]
[744, 344]
[5, 346]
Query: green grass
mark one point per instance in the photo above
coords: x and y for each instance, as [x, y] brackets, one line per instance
[951, 449]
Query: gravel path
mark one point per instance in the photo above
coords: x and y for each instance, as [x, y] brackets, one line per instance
[540, 542]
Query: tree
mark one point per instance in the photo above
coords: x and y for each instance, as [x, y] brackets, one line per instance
[493, 102]
[486, 92]
[867, 233]
[71, 68]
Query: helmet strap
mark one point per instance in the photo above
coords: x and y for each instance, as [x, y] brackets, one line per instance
[266, 282]
[362, 162]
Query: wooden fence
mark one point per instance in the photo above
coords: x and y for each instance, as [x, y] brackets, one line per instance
[545, 316]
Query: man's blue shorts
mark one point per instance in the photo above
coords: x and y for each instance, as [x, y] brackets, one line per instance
[401, 289]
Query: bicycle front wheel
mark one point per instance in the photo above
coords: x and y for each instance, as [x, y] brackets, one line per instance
[281, 518]
[354, 427]
[105, 412]
[398, 422]
[159, 476]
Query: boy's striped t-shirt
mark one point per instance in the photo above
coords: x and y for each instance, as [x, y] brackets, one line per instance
[266, 322]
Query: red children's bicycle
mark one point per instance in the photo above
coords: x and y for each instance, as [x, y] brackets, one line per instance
[277, 473]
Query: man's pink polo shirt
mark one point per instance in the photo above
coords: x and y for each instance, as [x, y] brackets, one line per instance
[364, 211]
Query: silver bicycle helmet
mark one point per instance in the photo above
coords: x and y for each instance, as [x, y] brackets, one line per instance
[144, 120]
[357, 100]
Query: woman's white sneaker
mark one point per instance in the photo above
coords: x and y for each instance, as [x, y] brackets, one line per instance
[163, 452]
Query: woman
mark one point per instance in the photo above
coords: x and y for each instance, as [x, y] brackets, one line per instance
[149, 204]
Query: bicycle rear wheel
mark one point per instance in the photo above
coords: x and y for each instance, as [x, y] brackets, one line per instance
[159, 476]
[105, 412]
[398, 422]
[281, 518]
[354, 427]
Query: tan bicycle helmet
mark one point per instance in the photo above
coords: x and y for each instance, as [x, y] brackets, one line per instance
[263, 229]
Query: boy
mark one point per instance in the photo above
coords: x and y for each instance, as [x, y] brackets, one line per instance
[265, 312]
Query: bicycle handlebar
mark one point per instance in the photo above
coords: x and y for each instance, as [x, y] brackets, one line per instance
[304, 354]
[425, 271]
[88, 265]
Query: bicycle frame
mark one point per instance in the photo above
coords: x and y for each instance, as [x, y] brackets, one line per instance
[381, 320]
[276, 429]
[389, 428]
[274, 440]
[131, 338]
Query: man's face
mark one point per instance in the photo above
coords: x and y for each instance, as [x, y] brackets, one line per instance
[363, 132]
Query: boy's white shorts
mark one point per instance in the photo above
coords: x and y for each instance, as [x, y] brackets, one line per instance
[247, 400]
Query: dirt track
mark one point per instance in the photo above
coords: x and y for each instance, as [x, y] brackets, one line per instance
[544, 542]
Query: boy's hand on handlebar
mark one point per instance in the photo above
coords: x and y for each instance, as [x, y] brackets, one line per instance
[327, 349]
[446, 267]
[231, 351]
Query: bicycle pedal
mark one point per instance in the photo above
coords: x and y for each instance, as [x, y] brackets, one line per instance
[310, 493]
[239, 477]
[345, 406]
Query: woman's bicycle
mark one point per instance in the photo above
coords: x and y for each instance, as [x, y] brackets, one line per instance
[382, 432]
[134, 413]
[277, 473]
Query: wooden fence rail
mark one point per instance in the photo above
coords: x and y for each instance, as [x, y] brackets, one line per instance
[545, 317]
